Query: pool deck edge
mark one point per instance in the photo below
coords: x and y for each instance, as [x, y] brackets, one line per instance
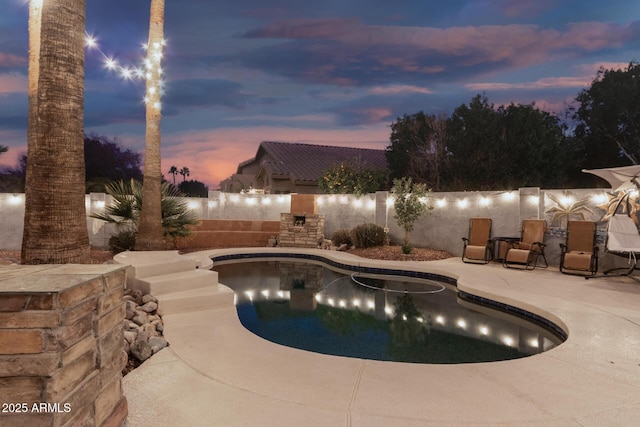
[217, 373]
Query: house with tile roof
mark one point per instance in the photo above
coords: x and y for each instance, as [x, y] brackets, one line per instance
[285, 167]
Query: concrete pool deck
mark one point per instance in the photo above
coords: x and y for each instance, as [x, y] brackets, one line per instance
[215, 372]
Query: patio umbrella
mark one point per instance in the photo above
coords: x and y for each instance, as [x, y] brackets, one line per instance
[621, 178]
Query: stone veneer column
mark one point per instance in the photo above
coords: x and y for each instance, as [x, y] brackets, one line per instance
[61, 345]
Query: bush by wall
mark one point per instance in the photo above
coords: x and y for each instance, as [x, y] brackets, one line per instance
[367, 235]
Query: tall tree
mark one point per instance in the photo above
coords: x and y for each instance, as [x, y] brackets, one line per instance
[3, 149]
[608, 118]
[173, 170]
[55, 224]
[107, 161]
[477, 154]
[150, 229]
[418, 148]
[185, 172]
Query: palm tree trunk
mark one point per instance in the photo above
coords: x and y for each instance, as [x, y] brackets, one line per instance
[55, 222]
[150, 228]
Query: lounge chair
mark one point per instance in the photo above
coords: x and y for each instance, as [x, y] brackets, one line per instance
[527, 251]
[579, 255]
[477, 247]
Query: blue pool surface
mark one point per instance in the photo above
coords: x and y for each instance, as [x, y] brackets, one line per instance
[310, 306]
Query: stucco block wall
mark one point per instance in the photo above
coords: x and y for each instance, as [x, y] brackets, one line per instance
[61, 345]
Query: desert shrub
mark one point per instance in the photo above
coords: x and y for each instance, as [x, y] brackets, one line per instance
[367, 235]
[123, 240]
[340, 237]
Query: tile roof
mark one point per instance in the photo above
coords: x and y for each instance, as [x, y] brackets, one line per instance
[307, 162]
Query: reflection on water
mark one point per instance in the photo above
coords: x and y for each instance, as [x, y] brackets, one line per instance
[310, 306]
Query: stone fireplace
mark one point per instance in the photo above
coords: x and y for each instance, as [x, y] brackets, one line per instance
[302, 227]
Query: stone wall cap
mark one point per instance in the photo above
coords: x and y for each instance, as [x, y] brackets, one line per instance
[51, 277]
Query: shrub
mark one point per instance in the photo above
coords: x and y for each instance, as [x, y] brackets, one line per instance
[123, 240]
[367, 235]
[340, 237]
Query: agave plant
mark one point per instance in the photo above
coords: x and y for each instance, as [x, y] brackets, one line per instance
[124, 212]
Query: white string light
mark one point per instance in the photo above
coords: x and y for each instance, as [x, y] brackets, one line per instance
[151, 69]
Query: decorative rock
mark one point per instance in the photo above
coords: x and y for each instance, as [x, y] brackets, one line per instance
[140, 349]
[148, 298]
[130, 336]
[137, 296]
[140, 320]
[157, 344]
[159, 327]
[149, 329]
[142, 326]
[149, 307]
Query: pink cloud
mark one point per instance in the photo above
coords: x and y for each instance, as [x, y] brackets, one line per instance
[13, 83]
[516, 44]
[399, 90]
[11, 60]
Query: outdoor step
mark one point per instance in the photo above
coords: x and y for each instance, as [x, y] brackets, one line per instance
[155, 263]
[225, 239]
[212, 296]
[238, 225]
[182, 281]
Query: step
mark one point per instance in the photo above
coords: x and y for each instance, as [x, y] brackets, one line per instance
[214, 296]
[226, 239]
[182, 281]
[154, 263]
[237, 225]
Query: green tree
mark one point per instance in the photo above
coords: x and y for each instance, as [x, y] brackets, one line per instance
[418, 148]
[409, 202]
[608, 118]
[506, 147]
[352, 177]
[193, 188]
[534, 149]
[150, 230]
[55, 225]
[477, 154]
[107, 161]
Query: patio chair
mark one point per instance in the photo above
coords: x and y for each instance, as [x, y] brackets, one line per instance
[477, 247]
[579, 254]
[525, 253]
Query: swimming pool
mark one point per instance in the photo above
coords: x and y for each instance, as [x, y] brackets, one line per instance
[331, 309]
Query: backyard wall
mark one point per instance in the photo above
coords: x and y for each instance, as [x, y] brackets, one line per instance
[61, 351]
[442, 229]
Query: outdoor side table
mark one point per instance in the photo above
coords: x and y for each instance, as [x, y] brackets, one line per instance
[501, 245]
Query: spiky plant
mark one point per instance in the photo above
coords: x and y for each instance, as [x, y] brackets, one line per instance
[124, 212]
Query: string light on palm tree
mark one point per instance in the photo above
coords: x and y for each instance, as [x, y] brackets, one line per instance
[150, 71]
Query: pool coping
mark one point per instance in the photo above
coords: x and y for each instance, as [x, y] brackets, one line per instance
[591, 378]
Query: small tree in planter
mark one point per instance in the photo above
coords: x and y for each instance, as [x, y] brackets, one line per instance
[409, 204]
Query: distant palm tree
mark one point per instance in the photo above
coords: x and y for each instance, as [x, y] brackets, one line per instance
[184, 172]
[150, 230]
[55, 224]
[173, 171]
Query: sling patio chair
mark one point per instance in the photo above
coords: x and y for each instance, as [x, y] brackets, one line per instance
[477, 247]
[579, 254]
[525, 253]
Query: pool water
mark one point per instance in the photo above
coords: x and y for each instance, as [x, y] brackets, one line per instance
[309, 306]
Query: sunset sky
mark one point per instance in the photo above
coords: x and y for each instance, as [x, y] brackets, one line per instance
[335, 72]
